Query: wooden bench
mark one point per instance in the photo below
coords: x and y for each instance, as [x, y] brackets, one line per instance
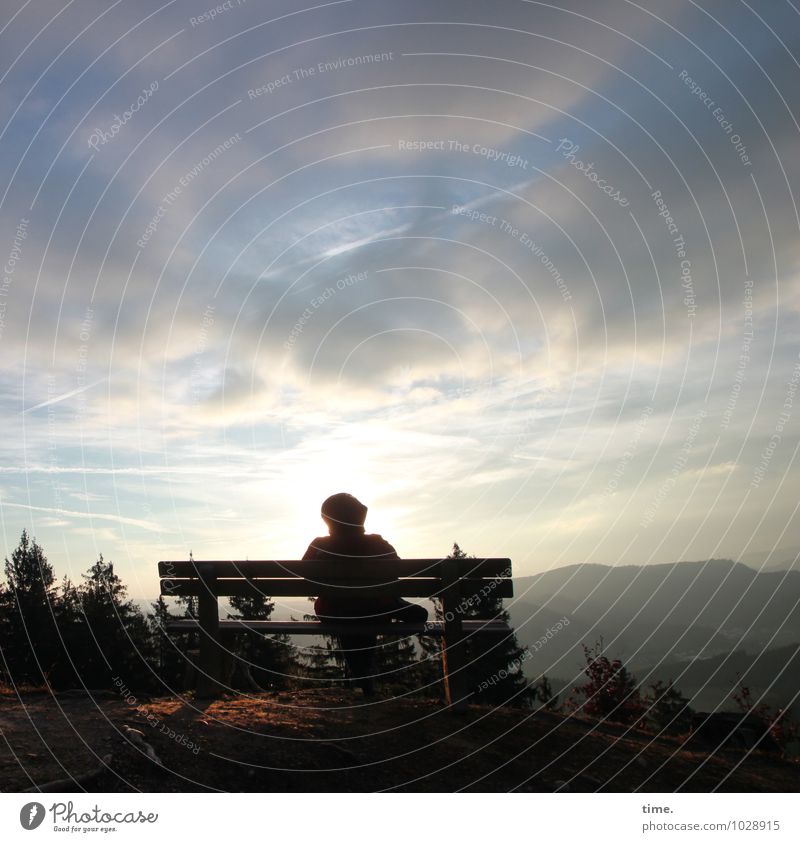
[459, 583]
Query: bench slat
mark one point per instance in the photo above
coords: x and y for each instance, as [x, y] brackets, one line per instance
[303, 587]
[310, 628]
[328, 569]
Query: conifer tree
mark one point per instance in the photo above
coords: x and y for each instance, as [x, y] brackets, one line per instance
[169, 651]
[323, 663]
[117, 639]
[494, 662]
[69, 617]
[397, 662]
[30, 639]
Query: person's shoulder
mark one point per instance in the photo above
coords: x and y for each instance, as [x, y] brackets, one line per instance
[316, 547]
[379, 545]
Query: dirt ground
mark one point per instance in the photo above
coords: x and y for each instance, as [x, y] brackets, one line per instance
[331, 740]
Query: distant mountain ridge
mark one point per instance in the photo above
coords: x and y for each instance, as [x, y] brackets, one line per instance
[658, 616]
[724, 595]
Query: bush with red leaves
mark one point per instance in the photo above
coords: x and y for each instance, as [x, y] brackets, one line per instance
[610, 691]
[782, 727]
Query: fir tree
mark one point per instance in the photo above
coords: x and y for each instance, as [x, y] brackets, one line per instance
[69, 617]
[494, 662]
[117, 639]
[30, 639]
[542, 693]
[323, 663]
[169, 650]
[397, 662]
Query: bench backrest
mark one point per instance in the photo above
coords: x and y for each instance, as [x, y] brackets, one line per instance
[411, 577]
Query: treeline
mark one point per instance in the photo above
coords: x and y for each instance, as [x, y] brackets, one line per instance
[88, 634]
[69, 634]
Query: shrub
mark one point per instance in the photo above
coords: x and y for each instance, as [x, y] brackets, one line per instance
[610, 691]
[783, 729]
[667, 708]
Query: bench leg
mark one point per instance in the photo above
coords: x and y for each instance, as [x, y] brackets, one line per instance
[209, 670]
[454, 657]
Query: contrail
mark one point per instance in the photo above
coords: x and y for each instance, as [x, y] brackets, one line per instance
[128, 521]
[371, 238]
[51, 401]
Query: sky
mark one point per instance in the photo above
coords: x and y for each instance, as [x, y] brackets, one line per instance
[519, 275]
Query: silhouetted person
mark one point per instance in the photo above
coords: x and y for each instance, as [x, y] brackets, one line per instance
[344, 516]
